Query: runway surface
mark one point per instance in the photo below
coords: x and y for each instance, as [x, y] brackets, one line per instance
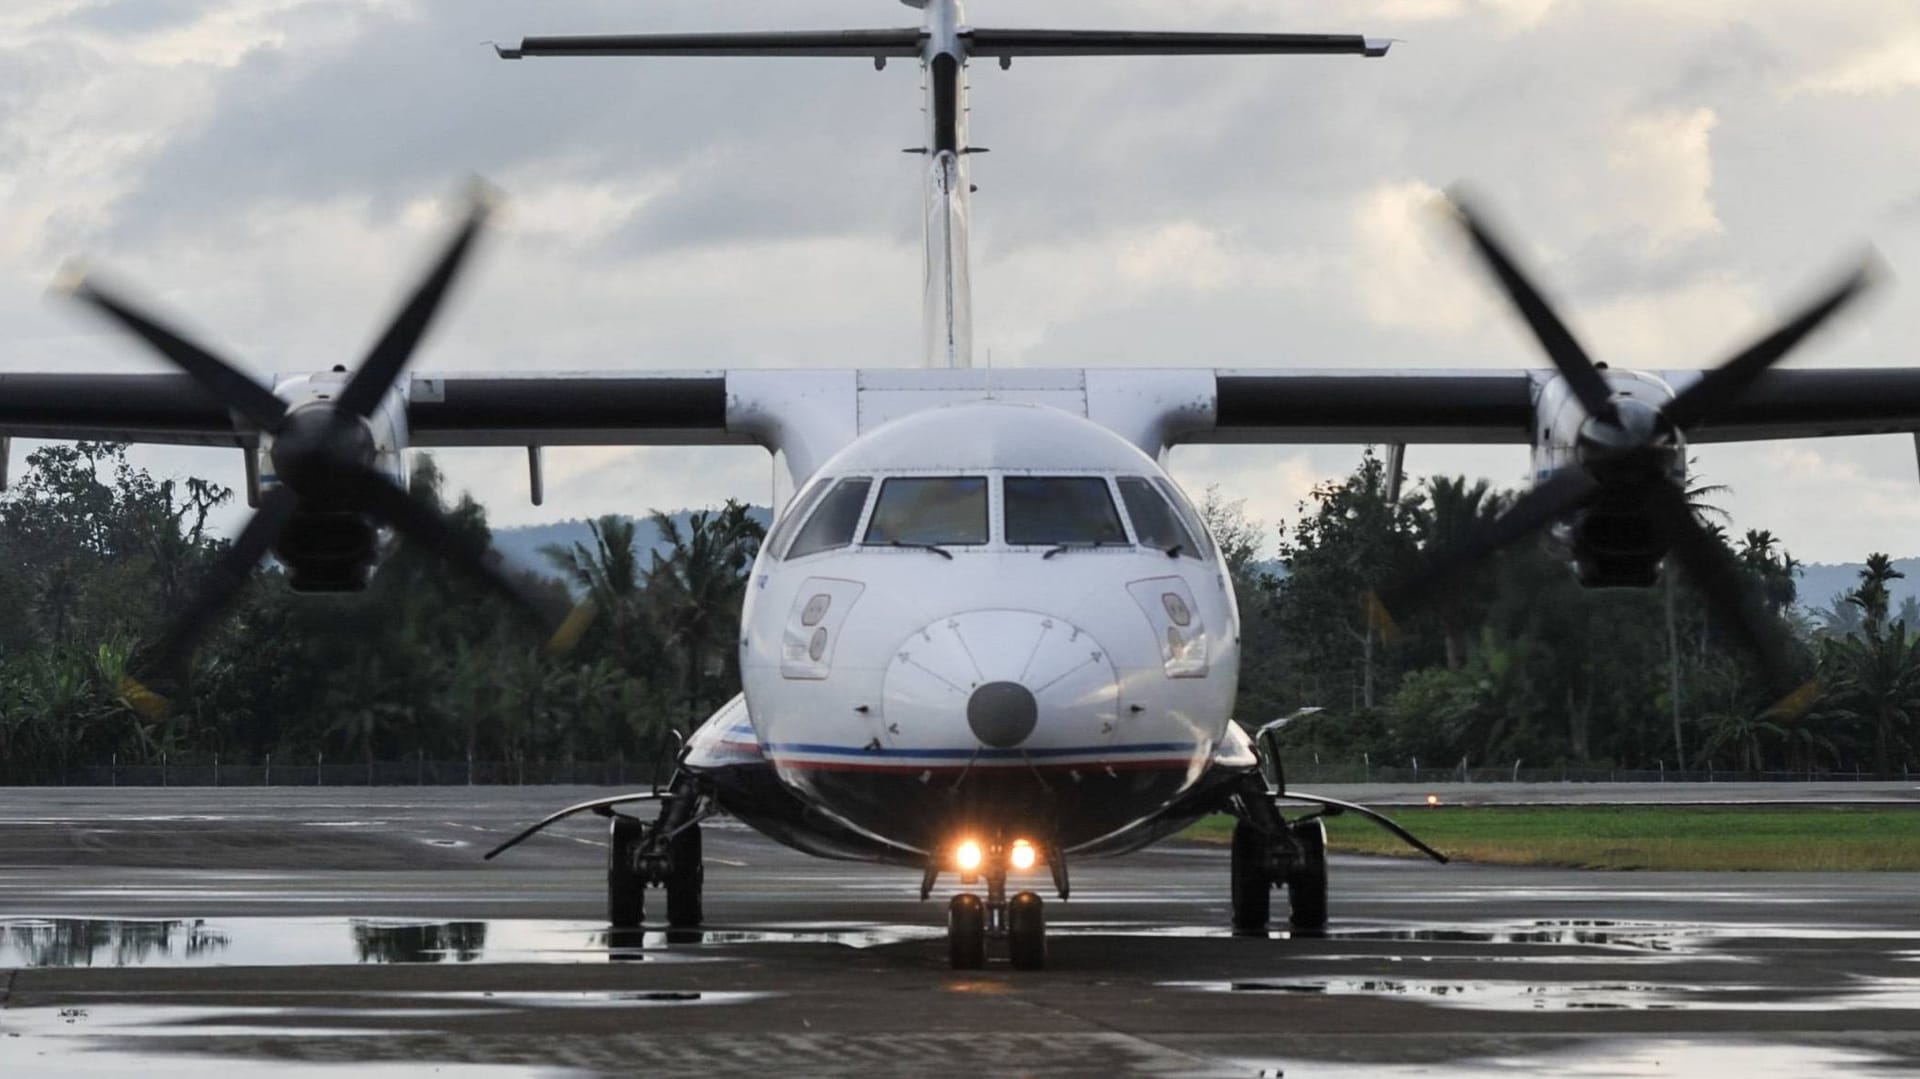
[164, 932]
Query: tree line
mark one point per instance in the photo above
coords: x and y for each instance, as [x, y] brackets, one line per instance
[1515, 662]
[96, 553]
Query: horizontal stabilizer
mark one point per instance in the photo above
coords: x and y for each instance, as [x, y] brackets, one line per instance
[1011, 43]
[857, 43]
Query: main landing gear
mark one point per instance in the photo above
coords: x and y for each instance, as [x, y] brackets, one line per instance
[1294, 857]
[1021, 921]
[664, 853]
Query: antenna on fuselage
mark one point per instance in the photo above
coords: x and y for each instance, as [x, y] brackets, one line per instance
[944, 43]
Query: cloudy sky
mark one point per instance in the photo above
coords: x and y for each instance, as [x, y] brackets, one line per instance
[1680, 173]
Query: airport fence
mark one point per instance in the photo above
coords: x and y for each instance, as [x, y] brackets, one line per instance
[320, 772]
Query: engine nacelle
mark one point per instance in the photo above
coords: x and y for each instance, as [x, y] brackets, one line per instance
[325, 551]
[1614, 541]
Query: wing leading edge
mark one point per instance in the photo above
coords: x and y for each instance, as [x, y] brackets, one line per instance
[1253, 406]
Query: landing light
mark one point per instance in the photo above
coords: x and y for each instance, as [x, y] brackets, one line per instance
[967, 856]
[1023, 855]
[1433, 799]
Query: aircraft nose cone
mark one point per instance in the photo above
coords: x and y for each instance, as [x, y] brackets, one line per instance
[1002, 714]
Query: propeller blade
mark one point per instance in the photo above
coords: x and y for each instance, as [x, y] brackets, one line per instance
[225, 579]
[219, 378]
[389, 355]
[419, 523]
[1719, 387]
[1565, 352]
[1732, 603]
[1558, 494]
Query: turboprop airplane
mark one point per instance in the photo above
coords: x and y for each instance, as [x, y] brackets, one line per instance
[989, 636]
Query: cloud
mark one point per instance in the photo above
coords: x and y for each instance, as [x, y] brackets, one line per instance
[1660, 175]
[1890, 67]
[276, 170]
[1402, 271]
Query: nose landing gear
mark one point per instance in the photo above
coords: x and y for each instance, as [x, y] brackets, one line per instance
[1021, 921]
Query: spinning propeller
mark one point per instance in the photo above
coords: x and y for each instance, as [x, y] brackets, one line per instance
[323, 454]
[1626, 450]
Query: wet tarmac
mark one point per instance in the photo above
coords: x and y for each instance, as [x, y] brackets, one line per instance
[148, 932]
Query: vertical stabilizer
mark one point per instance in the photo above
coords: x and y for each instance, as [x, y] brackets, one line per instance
[948, 303]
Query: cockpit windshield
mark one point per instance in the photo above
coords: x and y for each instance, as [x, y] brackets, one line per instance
[1153, 520]
[1073, 510]
[932, 510]
[797, 511]
[832, 525]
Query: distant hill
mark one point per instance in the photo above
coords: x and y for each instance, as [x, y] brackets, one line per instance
[521, 546]
[1820, 582]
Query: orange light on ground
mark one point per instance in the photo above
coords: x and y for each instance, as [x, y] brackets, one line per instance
[1433, 799]
[967, 856]
[1023, 855]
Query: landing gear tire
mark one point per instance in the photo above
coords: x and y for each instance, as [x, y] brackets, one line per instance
[1252, 880]
[686, 877]
[1307, 879]
[966, 932]
[626, 888]
[1027, 932]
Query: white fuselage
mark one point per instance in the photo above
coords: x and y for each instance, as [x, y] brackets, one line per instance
[863, 662]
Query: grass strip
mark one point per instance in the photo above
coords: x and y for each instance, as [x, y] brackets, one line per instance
[1810, 839]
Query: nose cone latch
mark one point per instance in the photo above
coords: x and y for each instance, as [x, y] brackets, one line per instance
[1002, 714]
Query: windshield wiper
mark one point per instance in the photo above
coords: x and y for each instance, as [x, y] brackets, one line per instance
[941, 551]
[1064, 547]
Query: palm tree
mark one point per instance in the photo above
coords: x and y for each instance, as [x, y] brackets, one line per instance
[1457, 511]
[609, 575]
[1873, 597]
[1876, 683]
[1744, 731]
[697, 589]
[1840, 618]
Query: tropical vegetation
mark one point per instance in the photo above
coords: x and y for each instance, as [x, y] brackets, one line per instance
[1513, 665]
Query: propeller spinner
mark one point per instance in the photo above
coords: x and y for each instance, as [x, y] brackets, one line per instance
[323, 453]
[1626, 451]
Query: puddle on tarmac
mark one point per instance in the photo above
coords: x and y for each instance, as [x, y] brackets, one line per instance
[1520, 995]
[1611, 1058]
[275, 942]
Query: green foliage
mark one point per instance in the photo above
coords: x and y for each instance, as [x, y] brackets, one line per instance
[95, 553]
[1514, 661]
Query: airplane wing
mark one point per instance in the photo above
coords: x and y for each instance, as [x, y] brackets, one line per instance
[1487, 406]
[1255, 406]
[630, 408]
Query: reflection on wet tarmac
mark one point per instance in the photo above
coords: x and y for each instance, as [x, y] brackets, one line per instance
[425, 942]
[89, 942]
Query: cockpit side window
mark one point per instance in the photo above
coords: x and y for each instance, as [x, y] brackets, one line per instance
[796, 512]
[1061, 509]
[1188, 516]
[1154, 520]
[832, 525]
[939, 510]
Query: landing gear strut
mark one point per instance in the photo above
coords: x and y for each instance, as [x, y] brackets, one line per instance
[665, 853]
[1021, 921]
